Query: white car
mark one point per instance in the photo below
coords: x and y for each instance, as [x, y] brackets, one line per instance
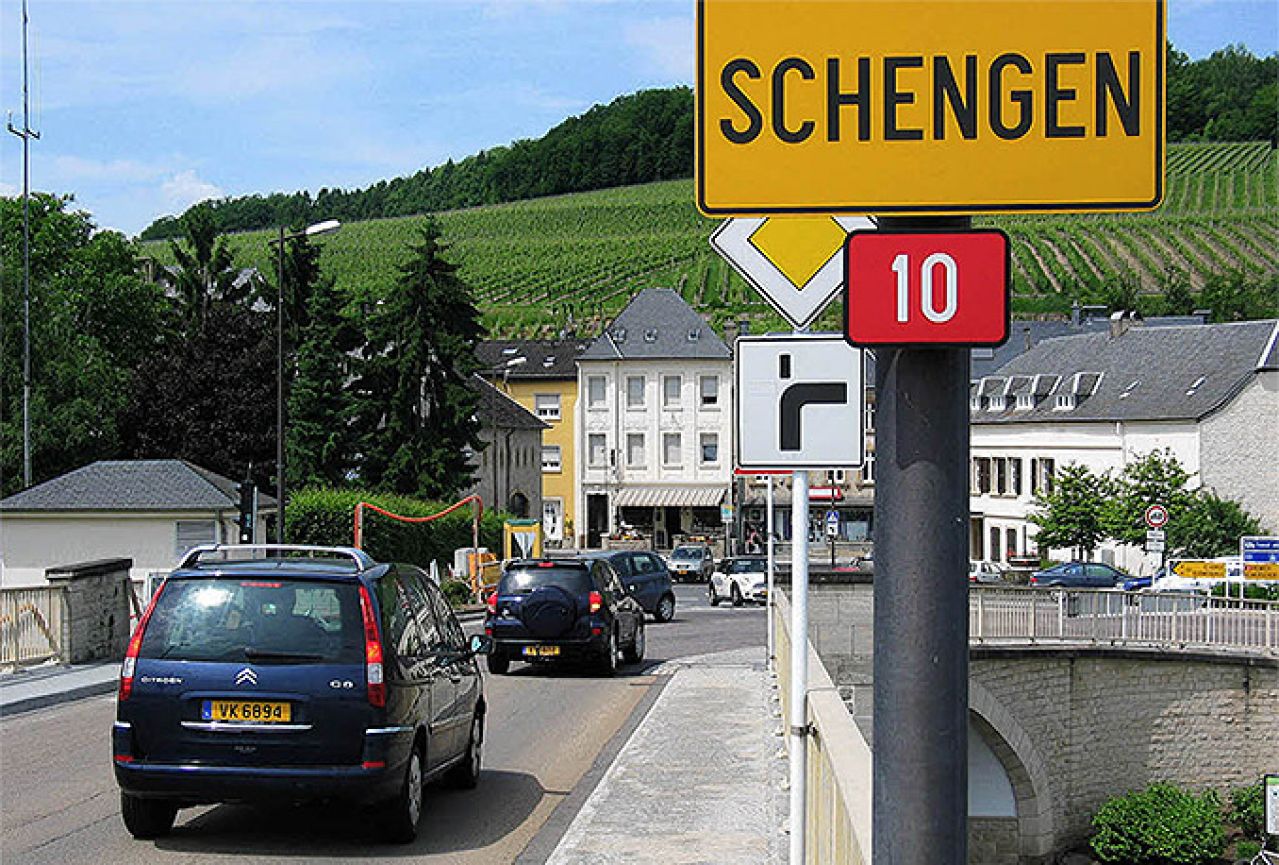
[739, 579]
[985, 572]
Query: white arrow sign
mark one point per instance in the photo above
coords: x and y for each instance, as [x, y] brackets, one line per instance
[795, 262]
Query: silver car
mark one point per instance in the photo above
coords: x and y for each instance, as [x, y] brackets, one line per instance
[691, 563]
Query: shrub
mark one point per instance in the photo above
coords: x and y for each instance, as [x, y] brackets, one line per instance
[325, 516]
[1247, 810]
[457, 592]
[1251, 591]
[1161, 825]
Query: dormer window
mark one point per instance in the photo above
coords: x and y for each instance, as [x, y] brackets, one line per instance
[650, 335]
[509, 351]
[1194, 387]
[548, 361]
[1065, 402]
[619, 334]
[695, 334]
[974, 403]
[1025, 401]
[996, 403]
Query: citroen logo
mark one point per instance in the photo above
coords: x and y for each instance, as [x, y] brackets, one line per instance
[246, 677]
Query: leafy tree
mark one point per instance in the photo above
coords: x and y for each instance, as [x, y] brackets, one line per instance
[209, 396]
[1072, 515]
[205, 271]
[419, 422]
[321, 439]
[1156, 478]
[1212, 527]
[1178, 298]
[92, 319]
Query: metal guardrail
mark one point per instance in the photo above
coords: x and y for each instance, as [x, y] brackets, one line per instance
[999, 615]
[31, 625]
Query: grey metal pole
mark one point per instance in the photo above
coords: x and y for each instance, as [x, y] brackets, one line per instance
[772, 564]
[920, 797]
[279, 392]
[798, 720]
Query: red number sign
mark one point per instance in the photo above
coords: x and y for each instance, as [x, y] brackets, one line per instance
[927, 288]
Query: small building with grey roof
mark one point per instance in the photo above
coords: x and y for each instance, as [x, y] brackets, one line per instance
[1208, 394]
[150, 511]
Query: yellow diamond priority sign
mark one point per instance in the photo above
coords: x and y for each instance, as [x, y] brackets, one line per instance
[795, 262]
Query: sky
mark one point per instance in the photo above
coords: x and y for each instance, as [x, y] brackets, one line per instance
[145, 107]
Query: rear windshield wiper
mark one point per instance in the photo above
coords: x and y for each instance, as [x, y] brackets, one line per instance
[250, 652]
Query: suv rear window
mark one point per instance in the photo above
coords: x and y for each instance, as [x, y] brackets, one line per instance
[687, 553]
[749, 566]
[261, 620]
[575, 581]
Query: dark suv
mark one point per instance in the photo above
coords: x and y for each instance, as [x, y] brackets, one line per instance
[295, 673]
[646, 579]
[573, 608]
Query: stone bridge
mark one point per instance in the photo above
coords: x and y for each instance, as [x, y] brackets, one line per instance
[1057, 729]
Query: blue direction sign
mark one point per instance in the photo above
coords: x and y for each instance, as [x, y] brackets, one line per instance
[1256, 550]
[832, 523]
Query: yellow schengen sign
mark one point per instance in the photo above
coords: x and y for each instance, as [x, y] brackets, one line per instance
[1261, 571]
[929, 106]
[1200, 570]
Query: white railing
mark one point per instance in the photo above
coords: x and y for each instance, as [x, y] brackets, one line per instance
[30, 625]
[1105, 617]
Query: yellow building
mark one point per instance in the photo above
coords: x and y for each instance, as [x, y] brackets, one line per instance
[541, 375]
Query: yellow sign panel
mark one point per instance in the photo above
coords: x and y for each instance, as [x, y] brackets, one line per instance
[1261, 571]
[1198, 570]
[929, 106]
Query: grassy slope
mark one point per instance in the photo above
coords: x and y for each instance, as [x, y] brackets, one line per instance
[535, 263]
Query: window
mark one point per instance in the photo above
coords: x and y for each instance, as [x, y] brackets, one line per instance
[671, 449]
[547, 406]
[635, 391]
[710, 447]
[993, 552]
[710, 391]
[595, 449]
[868, 469]
[672, 387]
[981, 475]
[551, 460]
[635, 450]
[1014, 476]
[870, 417]
[1041, 476]
[1000, 465]
[192, 533]
[595, 391]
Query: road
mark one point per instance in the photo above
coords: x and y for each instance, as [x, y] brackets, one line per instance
[59, 802]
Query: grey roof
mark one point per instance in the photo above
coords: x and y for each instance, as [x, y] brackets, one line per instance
[496, 409]
[1165, 373]
[543, 358]
[656, 325]
[1024, 335]
[133, 485]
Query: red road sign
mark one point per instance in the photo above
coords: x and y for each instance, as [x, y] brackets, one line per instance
[1156, 516]
[926, 288]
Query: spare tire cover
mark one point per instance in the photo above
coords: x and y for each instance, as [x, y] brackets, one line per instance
[548, 612]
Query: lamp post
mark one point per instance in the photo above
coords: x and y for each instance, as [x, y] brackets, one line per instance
[326, 227]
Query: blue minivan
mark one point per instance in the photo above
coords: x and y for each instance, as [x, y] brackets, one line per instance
[295, 673]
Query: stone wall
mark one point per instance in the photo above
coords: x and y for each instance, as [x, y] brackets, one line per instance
[95, 624]
[993, 841]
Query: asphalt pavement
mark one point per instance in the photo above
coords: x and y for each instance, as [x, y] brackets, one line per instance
[552, 736]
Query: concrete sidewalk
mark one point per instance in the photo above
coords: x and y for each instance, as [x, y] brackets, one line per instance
[701, 779]
[37, 687]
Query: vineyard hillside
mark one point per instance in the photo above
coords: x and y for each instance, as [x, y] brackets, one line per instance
[540, 265]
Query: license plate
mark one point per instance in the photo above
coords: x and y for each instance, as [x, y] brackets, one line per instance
[246, 712]
[541, 651]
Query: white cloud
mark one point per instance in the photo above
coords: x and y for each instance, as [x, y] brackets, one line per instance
[665, 44]
[8, 190]
[71, 170]
[186, 188]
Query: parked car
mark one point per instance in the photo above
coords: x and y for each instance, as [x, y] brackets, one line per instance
[646, 578]
[692, 562]
[985, 572]
[1078, 575]
[739, 579]
[295, 673]
[563, 609]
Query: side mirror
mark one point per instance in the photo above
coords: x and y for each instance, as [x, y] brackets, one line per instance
[481, 644]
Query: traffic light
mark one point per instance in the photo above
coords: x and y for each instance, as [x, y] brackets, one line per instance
[248, 510]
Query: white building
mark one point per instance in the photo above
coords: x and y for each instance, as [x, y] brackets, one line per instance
[654, 424]
[151, 511]
[1207, 393]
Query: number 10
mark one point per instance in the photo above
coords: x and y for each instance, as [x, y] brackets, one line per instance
[901, 267]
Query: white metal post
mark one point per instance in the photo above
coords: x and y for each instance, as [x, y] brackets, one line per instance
[771, 569]
[799, 665]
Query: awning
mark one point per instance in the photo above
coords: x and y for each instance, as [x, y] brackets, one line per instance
[675, 497]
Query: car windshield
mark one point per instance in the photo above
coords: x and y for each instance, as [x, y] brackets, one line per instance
[748, 566]
[686, 553]
[576, 581]
[263, 620]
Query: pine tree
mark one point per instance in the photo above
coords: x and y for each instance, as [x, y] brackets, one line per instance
[419, 409]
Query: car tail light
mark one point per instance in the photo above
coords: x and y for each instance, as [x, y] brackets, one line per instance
[135, 646]
[372, 651]
[491, 601]
[1034, 581]
[597, 601]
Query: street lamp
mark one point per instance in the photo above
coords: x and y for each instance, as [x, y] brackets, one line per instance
[326, 227]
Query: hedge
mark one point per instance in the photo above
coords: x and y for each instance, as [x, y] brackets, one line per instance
[325, 516]
[1161, 825]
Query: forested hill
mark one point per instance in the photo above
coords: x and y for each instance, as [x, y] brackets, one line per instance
[1229, 96]
[638, 138]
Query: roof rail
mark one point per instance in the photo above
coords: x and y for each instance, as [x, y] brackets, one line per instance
[362, 560]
